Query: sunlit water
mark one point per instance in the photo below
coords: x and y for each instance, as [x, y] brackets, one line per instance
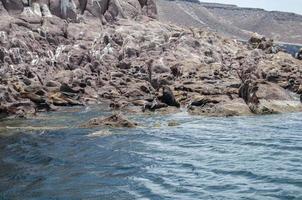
[201, 158]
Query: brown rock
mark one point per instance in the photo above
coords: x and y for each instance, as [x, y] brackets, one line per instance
[114, 121]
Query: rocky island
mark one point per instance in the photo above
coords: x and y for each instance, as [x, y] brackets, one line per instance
[57, 53]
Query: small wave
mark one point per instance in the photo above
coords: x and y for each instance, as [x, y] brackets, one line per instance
[100, 133]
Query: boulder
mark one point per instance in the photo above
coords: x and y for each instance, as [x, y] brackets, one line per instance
[221, 106]
[176, 70]
[268, 98]
[256, 39]
[130, 8]
[68, 89]
[247, 91]
[149, 8]
[65, 9]
[14, 7]
[114, 121]
[260, 42]
[96, 8]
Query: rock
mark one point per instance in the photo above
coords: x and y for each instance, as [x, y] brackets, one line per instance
[168, 97]
[13, 7]
[260, 42]
[95, 8]
[176, 70]
[65, 9]
[173, 123]
[74, 52]
[131, 50]
[114, 121]
[149, 8]
[40, 102]
[34, 98]
[268, 98]
[218, 105]
[66, 88]
[160, 69]
[299, 90]
[247, 91]
[256, 39]
[53, 84]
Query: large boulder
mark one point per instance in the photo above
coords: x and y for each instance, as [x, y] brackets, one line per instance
[122, 9]
[96, 8]
[260, 42]
[218, 105]
[268, 98]
[149, 8]
[65, 9]
[13, 7]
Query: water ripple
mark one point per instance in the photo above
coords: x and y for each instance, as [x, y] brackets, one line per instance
[203, 158]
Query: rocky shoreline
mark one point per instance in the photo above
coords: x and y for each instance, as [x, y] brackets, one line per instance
[117, 53]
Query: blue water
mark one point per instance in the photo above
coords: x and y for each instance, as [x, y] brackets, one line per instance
[201, 158]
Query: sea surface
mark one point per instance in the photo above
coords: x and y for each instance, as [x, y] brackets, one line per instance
[256, 157]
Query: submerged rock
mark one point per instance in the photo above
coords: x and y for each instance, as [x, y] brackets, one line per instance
[114, 121]
[173, 123]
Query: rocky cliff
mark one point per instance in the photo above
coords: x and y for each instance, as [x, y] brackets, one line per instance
[116, 53]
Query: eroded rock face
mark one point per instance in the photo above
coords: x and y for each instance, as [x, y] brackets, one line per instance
[73, 9]
[133, 61]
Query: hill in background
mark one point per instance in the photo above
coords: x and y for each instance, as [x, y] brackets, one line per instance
[233, 21]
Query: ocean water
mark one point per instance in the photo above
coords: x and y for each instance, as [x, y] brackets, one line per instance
[258, 157]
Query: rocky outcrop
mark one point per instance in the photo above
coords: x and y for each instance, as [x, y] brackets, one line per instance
[268, 98]
[260, 42]
[115, 53]
[74, 9]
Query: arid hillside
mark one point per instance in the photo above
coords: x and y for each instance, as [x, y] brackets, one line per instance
[233, 21]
